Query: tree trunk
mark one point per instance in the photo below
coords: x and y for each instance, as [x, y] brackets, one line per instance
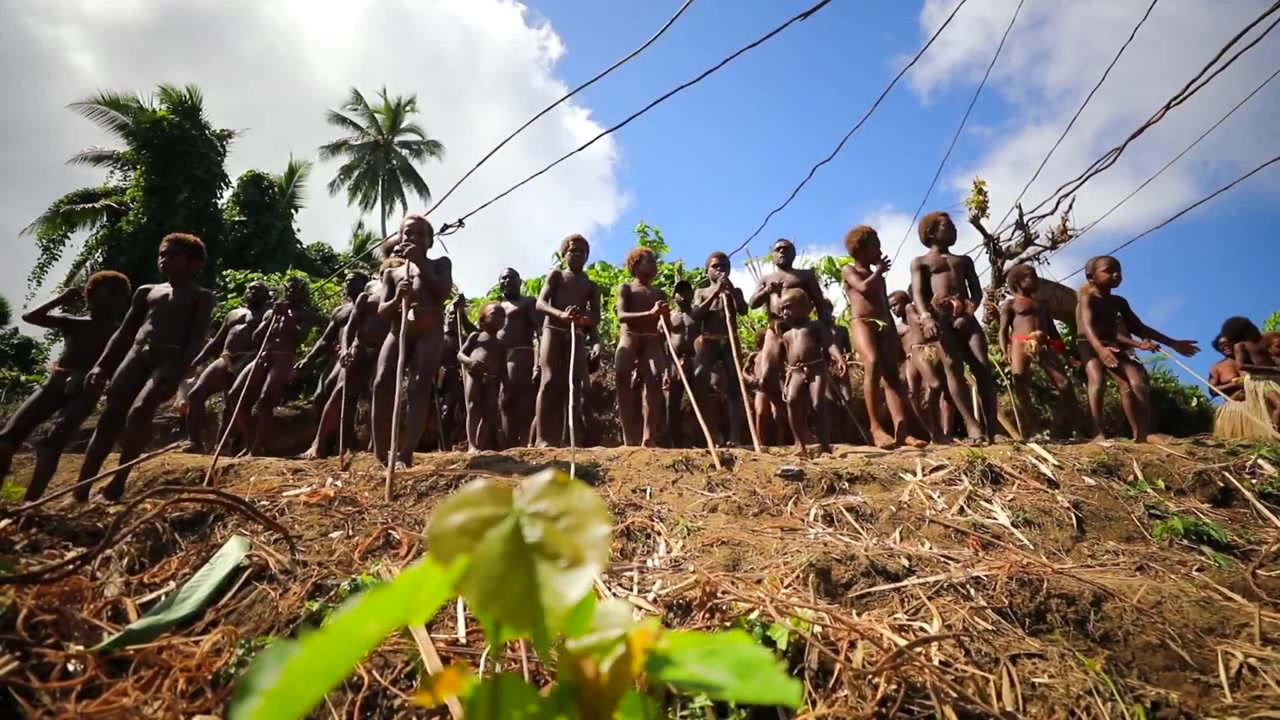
[382, 207]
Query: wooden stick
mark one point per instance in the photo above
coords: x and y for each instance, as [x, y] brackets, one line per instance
[688, 390]
[747, 406]
[573, 370]
[67, 490]
[235, 414]
[342, 419]
[403, 340]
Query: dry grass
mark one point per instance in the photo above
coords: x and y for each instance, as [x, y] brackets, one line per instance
[1054, 581]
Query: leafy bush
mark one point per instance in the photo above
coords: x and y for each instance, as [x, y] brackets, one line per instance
[525, 560]
[1272, 323]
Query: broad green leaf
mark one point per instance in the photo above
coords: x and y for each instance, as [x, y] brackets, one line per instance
[535, 550]
[579, 619]
[726, 666]
[637, 706]
[185, 602]
[508, 696]
[289, 678]
[780, 635]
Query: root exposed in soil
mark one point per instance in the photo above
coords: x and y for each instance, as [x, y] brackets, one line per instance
[1063, 581]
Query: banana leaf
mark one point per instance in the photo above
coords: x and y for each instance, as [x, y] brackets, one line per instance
[187, 601]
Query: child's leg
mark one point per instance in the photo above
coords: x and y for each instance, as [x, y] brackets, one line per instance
[865, 342]
[548, 414]
[675, 407]
[278, 377]
[933, 386]
[1020, 368]
[138, 423]
[624, 366]
[424, 366]
[215, 379]
[653, 368]
[129, 380]
[37, 408]
[490, 424]
[979, 361]
[1138, 410]
[818, 391]
[48, 449]
[798, 403]
[384, 396]
[901, 412]
[1096, 377]
[473, 392]
[957, 387]
[1057, 372]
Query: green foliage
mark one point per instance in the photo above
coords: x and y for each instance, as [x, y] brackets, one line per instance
[168, 177]
[1272, 323]
[379, 152]
[259, 215]
[524, 559]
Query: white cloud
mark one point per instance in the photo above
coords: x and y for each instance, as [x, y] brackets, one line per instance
[1051, 61]
[480, 68]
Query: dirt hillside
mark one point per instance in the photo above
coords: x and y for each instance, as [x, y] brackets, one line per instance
[1063, 581]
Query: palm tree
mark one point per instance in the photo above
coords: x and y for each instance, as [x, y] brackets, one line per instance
[379, 152]
[292, 185]
[363, 241]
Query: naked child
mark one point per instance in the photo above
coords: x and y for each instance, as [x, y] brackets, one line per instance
[64, 396]
[772, 363]
[146, 359]
[946, 294]
[642, 308]
[806, 347]
[715, 375]
[449, 389]
[422, 285]
[1028, 334]
[484, 364]
[327, 343]
[569, 303]
[231, 350]
[521, 312]
[686, 337]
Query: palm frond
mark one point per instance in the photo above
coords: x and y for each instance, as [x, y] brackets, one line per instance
[419, 150]
[345, 122]
[112, 111]
[407, 174]
[292, 184]
[188, 96]
[79, 210]
[100, 157]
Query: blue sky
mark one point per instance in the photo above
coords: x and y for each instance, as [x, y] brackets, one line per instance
[707, 165]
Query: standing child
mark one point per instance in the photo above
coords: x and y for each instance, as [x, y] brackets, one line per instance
[232, 349]
[483, 357]
[63, 396]
[806, 348]
[1099, 314]
[1027, 333]
[569, 303]
[685, 335]
[641, 350]
[876, 336]
[147, 358]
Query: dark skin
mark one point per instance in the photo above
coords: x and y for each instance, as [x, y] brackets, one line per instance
[713, 366]
[453, 408]
[231, 348]
[772, 362]
[1271, 341]
[517, 337]
[684, 335]
[875, 337]
[283, 328]
[953, 281]
[569, 301]
[358, 346]
[806, 351]
[641, 350]
[1027, 335]
[484, 363]
[63, 396]
[146, 360]
[327, 344]
[1224, 376]
[1099, 314]
[423, 285]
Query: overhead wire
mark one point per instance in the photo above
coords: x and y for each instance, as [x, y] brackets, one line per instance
[1076, 116]
[959, 130]
[1167, 165]
[839, 146]
[447, 228]
[461, 221]
[1186, 210]
[1193, 86]
[629, 57]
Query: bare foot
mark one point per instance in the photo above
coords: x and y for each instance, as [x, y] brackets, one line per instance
[801, 450]
[914, 442]
[1099, 438]
[1000, 439]
[312, 453]
[473, 450]
[883, 440]
[113, 491]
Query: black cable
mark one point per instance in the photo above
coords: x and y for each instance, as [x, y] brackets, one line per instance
[1186, 210]
[956, 138]
[460, 222]
[1067, 129]
[849, 134]
[630, 56]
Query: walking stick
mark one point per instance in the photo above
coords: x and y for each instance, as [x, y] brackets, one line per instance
[573, 370]
[688, 390]
[393, 448]
[342, 417]
[747, 406]
[235, 414]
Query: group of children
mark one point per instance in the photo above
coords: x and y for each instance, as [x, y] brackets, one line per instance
[510, 377]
